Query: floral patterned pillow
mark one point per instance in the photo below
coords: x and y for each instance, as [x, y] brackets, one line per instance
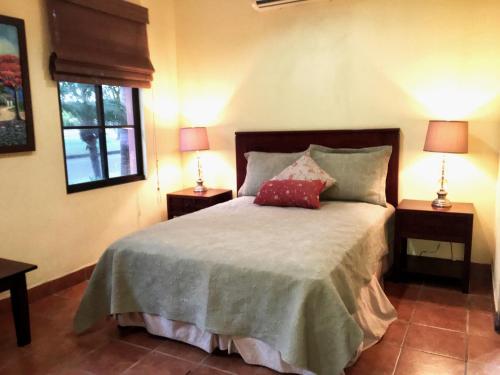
[290, 193]
[305, 168]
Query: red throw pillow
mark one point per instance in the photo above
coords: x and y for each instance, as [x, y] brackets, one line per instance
[290, 193]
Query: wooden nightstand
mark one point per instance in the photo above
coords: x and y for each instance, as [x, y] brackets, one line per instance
[418, 219]
[185, 201]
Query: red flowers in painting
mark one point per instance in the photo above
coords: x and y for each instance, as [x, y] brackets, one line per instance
[10, 71]
[10, 76]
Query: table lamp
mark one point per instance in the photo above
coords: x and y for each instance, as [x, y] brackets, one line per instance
[446, 137]
[195, 139]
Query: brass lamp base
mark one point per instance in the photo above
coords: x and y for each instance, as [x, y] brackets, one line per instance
[199, 188]
[441, 201]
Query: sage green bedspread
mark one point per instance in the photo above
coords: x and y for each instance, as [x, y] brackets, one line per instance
[286, 276]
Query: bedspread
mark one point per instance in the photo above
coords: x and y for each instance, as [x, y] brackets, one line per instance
[286, 276]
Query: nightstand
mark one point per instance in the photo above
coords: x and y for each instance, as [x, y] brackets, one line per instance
[419, 220]
[185, 201]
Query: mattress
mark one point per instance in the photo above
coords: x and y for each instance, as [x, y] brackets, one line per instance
[293, 279]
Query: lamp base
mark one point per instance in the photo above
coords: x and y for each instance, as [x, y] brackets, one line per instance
[441, 201]
[200, 188]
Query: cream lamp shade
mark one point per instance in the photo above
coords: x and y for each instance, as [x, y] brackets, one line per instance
[193, 139]
[447, 137]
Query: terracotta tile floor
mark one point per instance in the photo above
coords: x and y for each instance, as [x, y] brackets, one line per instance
[440, 331]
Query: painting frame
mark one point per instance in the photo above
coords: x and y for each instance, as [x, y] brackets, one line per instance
[28, 136]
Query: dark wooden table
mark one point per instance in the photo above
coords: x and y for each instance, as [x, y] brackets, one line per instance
[13, 278]
[418, 219]
[185, 201]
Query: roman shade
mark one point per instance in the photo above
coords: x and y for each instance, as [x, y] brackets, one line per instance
[99, 42]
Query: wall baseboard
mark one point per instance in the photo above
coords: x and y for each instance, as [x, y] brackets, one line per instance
[53, 286]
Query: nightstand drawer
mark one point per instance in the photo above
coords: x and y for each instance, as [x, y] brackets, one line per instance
[188, 205]
[429, 226]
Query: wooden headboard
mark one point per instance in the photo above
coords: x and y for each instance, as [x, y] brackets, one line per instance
[295, 141]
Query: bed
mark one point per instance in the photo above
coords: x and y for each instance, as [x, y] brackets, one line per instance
[292, 289]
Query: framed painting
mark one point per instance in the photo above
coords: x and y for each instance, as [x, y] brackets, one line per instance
[16, 118]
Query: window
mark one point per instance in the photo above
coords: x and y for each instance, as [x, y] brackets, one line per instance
[102, 135]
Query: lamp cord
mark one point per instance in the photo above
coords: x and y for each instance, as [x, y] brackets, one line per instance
[438, 246]
[155, 146]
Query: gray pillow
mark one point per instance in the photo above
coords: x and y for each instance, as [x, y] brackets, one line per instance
[360, 176]
[262, 166]
[315, 148]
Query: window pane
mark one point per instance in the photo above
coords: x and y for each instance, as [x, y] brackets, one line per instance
[78, 104]
[118, 105]
[83, 155]
[121, 152]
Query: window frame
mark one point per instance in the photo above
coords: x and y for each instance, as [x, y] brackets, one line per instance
[101, 125]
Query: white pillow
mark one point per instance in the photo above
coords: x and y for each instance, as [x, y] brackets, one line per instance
[305, 169]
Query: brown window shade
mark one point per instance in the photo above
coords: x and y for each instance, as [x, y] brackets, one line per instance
[100, 42]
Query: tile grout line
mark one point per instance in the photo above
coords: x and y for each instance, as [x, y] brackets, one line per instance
[152, 350]
[405, 335]
[410, 319]
[221, 370]
[449, 330]
[401, 347]
[433, 353]
[410, 322]
[133, 344]
[83, 357]
[132, 365]
[437, 327]
[397, 361]
[467, 340]
[205, 359]
[202, 363]
[121, 341]
[197, 364]
[419, 302]
[177, 357]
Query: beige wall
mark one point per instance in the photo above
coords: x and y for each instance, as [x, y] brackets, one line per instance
[349, 64]
[496, 272]
[39, 222]
[329, 64]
